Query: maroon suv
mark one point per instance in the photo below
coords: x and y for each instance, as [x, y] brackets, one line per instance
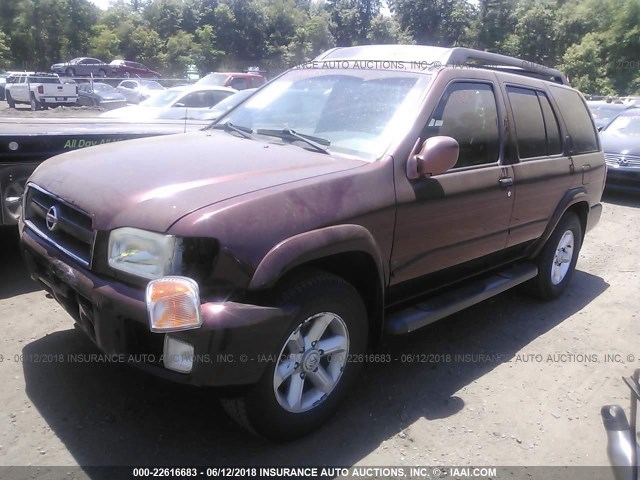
[347, 198]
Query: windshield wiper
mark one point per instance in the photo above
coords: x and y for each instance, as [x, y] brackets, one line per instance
[316, 142]
[230, 127]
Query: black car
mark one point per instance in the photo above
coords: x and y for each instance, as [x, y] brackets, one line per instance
[621, 145]
[83, 66]
[98, 94]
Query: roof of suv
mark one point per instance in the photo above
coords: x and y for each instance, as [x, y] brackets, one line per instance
[423, 57]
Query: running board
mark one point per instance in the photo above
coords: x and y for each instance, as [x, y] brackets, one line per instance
[452, 301]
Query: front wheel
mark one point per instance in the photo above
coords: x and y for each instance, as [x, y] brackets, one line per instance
[317, 360]
[558, 258]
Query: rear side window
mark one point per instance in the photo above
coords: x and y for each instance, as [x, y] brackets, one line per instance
[578, 120]
[527, 114]
[536, 125]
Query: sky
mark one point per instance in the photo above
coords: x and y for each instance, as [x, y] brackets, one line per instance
[103, 4]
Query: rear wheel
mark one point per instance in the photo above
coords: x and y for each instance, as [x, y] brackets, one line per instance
[102, 73]
[557, 260]
[70, 72]
[35, 104]
[10, 101]
[313, 370]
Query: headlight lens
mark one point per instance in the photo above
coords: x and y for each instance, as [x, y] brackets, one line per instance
[141, 253]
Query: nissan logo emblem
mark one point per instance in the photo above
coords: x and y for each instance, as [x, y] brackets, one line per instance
[52, 219]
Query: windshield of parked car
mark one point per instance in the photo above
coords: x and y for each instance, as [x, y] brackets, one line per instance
[103, 87]
[605, 111]
[164, 99]
[627, 123]
[355, 112]
[228, 103]
[151, 86]
[44, 80]
[213, 79]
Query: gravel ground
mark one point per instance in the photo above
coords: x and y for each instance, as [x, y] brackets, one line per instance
[511, 381]
[24, 111]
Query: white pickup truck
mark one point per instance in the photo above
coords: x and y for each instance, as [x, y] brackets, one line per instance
[40, 90]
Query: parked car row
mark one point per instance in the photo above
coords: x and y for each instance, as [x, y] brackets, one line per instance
[153, 101]
[87, 66]
[182, 103]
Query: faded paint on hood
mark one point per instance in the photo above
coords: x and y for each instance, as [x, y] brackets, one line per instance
[150, 183]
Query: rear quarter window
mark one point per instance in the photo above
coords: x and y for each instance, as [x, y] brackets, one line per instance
[577, 118]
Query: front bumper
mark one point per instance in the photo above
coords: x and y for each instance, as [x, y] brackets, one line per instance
[233, 347]
[623, 179]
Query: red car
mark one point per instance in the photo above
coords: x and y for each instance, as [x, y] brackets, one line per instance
[125, 68]
[237, 81]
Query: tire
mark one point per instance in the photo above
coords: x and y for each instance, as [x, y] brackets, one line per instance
[35, 104]
[70, 72]
[10, 101]
[557, 260]
[102, 73]
[330, 306]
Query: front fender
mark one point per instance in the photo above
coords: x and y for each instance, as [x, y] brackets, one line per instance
[313, 245]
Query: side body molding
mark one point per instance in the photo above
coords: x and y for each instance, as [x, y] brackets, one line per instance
[314, 245]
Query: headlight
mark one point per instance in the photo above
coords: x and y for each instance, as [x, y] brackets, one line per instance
[144, 254]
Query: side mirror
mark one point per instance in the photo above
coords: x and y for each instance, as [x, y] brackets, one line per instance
[437, 155]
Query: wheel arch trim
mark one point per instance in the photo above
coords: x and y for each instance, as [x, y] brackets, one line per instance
[314, 245]
[573, 198]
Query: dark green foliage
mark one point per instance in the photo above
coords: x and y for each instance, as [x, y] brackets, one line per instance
[596, 42]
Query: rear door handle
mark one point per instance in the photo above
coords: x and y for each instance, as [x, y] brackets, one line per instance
[506, 182]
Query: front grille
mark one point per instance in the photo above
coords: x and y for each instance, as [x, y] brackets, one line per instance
[61, 224]
[622, 160]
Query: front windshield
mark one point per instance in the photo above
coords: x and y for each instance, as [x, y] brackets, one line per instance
[358, 112]
[214, 80]
[625, 124]
[163, 99]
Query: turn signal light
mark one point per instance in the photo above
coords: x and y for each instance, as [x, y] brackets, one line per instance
[173, 304]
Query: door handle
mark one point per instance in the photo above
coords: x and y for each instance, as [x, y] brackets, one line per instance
[506, 182]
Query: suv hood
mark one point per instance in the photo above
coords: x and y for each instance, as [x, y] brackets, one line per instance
[151, 183]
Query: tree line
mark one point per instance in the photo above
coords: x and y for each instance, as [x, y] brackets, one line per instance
[595, 42]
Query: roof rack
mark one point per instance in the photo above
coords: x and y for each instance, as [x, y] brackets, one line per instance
[431, 57]
[495, 61]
